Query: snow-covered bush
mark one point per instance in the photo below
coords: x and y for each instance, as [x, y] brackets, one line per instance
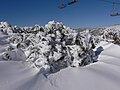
[52, 47]
[109, 34]
[14, 55]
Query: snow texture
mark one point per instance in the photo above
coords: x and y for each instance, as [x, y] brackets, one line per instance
[52, 47]
[43, 57]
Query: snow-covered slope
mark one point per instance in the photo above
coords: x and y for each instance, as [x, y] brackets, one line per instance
[102, 75]
[30, 59]
[114, 27]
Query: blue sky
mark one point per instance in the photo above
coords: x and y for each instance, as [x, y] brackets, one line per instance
[86, 13]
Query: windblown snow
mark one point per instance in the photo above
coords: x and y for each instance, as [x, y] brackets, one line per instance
[56, 57]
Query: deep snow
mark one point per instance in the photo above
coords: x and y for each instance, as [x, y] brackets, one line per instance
[17, 74]
[102, 75]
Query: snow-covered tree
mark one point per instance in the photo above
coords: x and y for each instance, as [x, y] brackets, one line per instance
[52, 47]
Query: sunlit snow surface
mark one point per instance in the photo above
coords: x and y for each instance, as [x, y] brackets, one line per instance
[17, 74]
[103, 75]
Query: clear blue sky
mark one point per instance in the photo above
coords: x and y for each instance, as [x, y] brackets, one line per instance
[86, 13]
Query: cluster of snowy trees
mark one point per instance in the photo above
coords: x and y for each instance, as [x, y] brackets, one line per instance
[109, 34]
[51, 47]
